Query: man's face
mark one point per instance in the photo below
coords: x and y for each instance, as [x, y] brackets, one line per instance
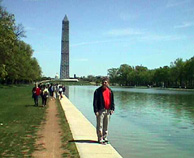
[105, 84]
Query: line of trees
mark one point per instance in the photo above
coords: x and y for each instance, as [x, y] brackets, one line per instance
[179, 74]
[16, 62]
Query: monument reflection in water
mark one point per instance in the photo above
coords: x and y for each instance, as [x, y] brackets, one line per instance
[147, 123]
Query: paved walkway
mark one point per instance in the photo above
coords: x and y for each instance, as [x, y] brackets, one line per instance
[84, 134]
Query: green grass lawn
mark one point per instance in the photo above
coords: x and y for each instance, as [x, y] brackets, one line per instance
[19, 121]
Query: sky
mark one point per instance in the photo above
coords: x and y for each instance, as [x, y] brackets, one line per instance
[107, 33]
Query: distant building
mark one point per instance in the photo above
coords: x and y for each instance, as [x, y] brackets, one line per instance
[64, 68]
[56, 76]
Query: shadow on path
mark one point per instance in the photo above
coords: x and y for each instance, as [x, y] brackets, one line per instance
[83, 141]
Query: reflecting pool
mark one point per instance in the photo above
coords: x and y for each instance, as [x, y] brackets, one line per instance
[147, 123]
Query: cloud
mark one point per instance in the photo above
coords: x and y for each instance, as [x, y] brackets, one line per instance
[131, 34]
[184, 25]
[124, 32]
[136, 34]
[93, 42]
[161, 37]
[174, 3]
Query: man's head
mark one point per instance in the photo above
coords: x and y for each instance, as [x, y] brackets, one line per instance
[105, 82]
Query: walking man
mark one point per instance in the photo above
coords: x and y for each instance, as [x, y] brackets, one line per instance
[45, 94]
[103, 104]
[36, 92]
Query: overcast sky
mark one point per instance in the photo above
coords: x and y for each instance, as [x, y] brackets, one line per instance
[107, 33]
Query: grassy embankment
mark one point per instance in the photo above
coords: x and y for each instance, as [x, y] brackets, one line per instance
[19, 122]
[67, 144]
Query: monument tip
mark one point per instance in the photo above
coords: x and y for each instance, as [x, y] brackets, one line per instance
[65, 18]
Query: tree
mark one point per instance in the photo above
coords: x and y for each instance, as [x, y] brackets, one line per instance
[189, 72]
[7, 40]
[140, 72]
[177, 71]
[16, 62]
[19, 31]
[113, 75]
[123, 72]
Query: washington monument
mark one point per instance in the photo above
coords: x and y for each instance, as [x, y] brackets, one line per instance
[64, 69]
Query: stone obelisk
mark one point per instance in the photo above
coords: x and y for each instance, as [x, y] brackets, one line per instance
[64, 69]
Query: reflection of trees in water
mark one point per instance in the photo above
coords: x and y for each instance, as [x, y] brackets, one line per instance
[180, 105]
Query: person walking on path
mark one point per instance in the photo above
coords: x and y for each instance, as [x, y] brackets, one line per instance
[63, 87]
[103, 105]
[50, 89]
[45, 94]
[36, 92]
[60, 92]
[55, 89]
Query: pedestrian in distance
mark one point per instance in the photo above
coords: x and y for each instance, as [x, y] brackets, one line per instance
[54, 91]
[63, 87]
[45, 95]
[57, 91]
[103, 105]
[36, 92]
[60, 92]
[49, 89]
[42, 87]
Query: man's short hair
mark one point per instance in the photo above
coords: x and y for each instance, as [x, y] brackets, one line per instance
[105, 79]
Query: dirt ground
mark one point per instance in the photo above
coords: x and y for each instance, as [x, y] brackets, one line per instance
[48, 144]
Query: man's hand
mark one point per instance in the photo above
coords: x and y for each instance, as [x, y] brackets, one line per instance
[97, 113]
[111, 112]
